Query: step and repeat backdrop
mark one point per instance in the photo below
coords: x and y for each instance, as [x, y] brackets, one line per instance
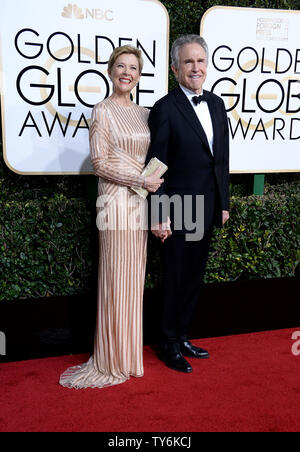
[54, 70]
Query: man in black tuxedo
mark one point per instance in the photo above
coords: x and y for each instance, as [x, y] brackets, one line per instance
[189, 133]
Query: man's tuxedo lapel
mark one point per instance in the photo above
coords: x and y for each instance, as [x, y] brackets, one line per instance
[189, 113]
[213, 115]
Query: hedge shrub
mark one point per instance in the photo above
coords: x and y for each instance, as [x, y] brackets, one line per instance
[47, 245]
[261, 240]
[44, 247]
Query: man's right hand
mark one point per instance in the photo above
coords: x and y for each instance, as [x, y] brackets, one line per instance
[162, 231]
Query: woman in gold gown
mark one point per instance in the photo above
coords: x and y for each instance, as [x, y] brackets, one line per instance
[119, 141]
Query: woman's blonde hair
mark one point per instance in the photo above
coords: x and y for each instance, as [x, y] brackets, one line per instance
[129, 50]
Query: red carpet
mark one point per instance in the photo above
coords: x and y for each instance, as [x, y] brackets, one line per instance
[250, 383]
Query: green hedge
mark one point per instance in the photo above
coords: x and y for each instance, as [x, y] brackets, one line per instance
[48, 247]
[261, 240]
[44, 247]
[48, 237]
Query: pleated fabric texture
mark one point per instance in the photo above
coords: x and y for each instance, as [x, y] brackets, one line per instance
[119, 141]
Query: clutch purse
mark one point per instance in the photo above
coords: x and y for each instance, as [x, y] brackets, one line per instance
[152, 166]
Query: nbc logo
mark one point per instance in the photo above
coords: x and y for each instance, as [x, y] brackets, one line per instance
[72, 11]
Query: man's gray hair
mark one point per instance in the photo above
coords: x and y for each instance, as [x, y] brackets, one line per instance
[183, 40]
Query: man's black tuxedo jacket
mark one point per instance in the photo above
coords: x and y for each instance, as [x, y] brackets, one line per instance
[178, 140]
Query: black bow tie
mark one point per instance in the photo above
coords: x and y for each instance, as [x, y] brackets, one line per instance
[198, 99]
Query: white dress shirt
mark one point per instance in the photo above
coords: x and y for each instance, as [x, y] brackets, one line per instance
[202, 111]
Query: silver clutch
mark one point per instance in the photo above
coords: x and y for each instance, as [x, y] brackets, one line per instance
[152, 166]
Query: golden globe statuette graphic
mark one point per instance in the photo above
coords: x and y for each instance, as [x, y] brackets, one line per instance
[260, 96]
[255, 68]
[96, 89]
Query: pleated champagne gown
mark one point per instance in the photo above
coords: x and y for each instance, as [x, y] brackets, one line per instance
[119, 141]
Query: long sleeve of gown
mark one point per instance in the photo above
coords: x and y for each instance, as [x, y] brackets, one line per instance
[100, 145]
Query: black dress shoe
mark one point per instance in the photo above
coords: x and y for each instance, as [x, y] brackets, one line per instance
[190, 350]
[173, 358]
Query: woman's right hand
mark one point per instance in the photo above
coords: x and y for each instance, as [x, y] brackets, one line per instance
[153, 182]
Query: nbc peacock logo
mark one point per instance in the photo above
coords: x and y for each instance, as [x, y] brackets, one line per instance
[72, 12]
